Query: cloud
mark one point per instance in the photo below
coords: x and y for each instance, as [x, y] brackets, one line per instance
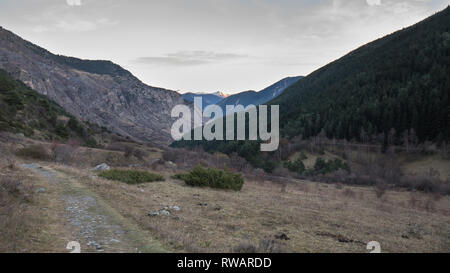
[374, 2]
[79, 25]
[189, 58]
[39, 29]
[74, 2]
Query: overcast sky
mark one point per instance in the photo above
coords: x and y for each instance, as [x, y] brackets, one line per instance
[211, 45]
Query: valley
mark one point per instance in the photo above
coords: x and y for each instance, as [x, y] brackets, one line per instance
[87, 155]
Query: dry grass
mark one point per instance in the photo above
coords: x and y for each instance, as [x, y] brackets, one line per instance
[298, 216]
[312, 157]
[422, 165]
[29, 221]
[315, 217]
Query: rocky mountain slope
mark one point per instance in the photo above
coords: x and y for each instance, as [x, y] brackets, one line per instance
[25, 111]
[97, 91]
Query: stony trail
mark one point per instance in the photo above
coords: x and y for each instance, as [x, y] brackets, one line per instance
[92, 222]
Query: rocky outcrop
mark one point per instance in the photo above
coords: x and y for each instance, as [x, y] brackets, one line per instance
[96, 91]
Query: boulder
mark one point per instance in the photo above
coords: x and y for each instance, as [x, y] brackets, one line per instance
[170, 164]
[102, 167]
[164, 212]
[41, 190]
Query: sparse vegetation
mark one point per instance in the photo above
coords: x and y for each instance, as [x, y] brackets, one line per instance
[131, 176]
[266, 245]
[36, 151]
[23, 110]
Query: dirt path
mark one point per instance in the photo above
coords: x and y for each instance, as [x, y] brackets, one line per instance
[91, 221]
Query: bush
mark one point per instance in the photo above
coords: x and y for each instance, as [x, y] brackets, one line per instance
[131, 177]
[297, 166]
[128, 151]
[214, 178]
[180, 176]
[65, 153]
[349, 193]
[266, 245]
[323, 167]
[425, 184]
[61, 131]
[380, 190]
[35, 151]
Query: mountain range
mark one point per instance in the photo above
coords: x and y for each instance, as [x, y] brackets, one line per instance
[207, 99]
[244, 98]
[106, 94]
[395, 84]
[257, 98]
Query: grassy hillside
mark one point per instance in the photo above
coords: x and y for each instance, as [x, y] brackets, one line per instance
[23, 110]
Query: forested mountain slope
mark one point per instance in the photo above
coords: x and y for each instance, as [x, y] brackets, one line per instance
[401, 81]
[397, 83]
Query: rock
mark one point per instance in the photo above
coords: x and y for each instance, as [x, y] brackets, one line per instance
[154, 161]
[164, 212]
[102, 167]
[170, 164]
[153, 213]
[282, 236]
[41, 190]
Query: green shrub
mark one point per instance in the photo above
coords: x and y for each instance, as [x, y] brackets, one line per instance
[35, 151]
[303, 156]
[75, 126]
[180, 176]
[297, 166]
[213, 178]
[131, 177]
[91, 142]
[61, 131]
[323, 167]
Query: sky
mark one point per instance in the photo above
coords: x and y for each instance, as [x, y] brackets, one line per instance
[211, 45]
